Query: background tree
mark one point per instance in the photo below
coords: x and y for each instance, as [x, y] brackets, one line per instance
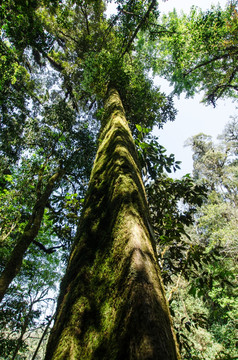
[204, 297]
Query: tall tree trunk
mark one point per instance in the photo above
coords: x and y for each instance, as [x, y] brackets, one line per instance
[112, 304]
[31, 230]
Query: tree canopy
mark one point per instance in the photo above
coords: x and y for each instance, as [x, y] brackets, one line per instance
[197, 52]
[58, 60]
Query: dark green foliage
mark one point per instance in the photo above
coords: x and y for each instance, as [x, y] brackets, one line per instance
[23, 26]
[173, 204]
[152, 157]
[13, 101]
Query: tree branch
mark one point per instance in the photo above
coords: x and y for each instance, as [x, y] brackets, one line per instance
[43, 248]
[152, 5]
[204, 63]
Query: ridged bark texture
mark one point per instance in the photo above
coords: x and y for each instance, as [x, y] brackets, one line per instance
[112, 304]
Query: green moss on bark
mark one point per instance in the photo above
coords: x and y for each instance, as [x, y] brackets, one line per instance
[112, 303]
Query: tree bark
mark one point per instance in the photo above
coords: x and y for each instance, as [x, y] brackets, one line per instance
[112, 304]
[31, 230]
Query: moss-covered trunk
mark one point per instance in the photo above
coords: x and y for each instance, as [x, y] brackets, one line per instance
[29, 234]
[112, 303]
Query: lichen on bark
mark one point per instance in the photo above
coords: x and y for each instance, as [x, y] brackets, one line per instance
[112, 303]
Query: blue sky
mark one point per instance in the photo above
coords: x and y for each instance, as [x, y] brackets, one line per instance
[193, 118]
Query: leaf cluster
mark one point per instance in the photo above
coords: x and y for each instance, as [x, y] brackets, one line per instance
[198, 52]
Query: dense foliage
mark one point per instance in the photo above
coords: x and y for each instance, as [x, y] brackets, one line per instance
[57, 59]
[198, 52]
[202, 266]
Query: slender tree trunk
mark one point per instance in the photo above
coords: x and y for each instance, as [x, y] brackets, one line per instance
[30, 232]
[42, 337]
[23, 331]
[112, 304]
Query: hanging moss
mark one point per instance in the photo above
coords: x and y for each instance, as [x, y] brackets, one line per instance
[112, 303]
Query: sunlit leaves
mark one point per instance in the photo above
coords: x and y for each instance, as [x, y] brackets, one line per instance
[199, 52]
